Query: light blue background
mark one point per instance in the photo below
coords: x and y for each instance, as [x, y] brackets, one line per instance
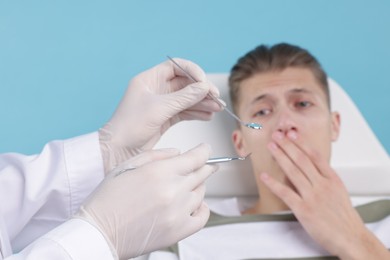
[64, 65]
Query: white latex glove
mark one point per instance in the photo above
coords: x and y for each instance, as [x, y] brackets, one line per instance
[154, 205]
[154, 101]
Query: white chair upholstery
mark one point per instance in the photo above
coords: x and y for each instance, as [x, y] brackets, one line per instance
[357, 156]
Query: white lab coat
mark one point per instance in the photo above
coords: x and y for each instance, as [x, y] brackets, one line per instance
[39, 193]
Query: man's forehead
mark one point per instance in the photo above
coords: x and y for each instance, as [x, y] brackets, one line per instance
[290, 81]
[284, 77]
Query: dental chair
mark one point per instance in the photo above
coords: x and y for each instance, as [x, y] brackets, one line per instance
[358, 157]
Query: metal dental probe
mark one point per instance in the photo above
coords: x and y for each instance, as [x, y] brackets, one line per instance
[209, 161]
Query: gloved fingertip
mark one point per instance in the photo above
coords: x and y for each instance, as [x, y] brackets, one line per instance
[222, 102]
[215, 168]
[207, 146]
[172, 151]
[202, 214]
[213, 89]
[192, 68]
[200, 88]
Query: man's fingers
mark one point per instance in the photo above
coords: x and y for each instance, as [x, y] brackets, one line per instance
[293, 173]
[298, 156]
[317, 161]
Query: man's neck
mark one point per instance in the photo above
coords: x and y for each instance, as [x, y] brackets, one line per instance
[267, 203]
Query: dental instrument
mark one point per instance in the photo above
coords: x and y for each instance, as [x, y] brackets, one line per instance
[225, 159]
[249, 125]
[209, 161]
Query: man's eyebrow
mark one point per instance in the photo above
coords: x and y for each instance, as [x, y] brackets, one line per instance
[301, 90]
[258, 98]
[294, 90]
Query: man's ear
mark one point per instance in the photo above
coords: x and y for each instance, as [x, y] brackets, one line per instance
[238, 143]
[336, 121]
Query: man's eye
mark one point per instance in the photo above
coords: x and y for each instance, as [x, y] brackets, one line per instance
[263, 112]
[304, 104]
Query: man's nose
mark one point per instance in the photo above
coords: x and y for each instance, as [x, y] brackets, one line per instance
[286, 122]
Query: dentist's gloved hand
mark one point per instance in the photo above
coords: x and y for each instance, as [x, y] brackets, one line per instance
[154, 101]
[153, 206]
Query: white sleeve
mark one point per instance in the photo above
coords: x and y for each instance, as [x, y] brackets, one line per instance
[75, 239]
[39, 192]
